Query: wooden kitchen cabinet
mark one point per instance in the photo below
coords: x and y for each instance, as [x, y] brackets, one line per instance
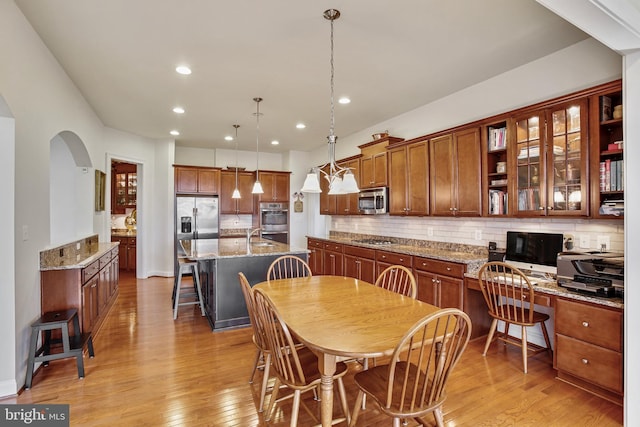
[328, 202]
[495, 167]
[347, 204]
[127, 254]
[408, 174]
[124, 187]
[275, 186]
[360, 263]
[91, 290]
[316, 256]
[589, 347]
[243, 205]
[550, 158]
[455, 178]
[440, 283]
[373, 163]
[197, 180]
[333, 259]
[386, 259]
[606, 152]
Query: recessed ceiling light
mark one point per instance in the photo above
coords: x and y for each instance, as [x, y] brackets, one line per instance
[275, 142]
[344, 100]
[174, 133]
[300, 126]
[228, 138]
[183, 69]
[178, 110]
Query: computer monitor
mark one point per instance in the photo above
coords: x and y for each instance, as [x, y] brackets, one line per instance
[537, 252]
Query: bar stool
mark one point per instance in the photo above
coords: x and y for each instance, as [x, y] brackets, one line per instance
[187, 266]
[72, 346]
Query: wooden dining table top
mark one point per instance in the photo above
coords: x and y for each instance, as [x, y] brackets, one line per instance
[343, 316]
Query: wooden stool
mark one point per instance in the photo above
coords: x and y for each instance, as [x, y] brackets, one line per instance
[71, 346]
[186, 266]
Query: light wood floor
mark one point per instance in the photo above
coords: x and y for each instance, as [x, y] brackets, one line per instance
[150, 370]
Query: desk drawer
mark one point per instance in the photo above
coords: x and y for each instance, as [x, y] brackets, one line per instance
[444, 268]
[394, 258]
[90, 271]
[596, 325]
[595, 364]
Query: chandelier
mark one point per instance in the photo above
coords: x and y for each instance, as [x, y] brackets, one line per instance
[341, 180]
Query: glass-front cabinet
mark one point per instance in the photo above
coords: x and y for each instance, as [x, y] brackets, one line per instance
[551, 161]
[124, 187]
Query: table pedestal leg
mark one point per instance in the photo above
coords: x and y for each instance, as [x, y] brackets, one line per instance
[327, 366]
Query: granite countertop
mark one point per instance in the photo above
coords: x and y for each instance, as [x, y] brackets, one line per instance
[121, 232]
[472, 256]
[463, 254]
[52, 261]
[204, 249]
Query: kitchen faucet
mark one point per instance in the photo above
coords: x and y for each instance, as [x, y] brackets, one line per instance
[251, 232]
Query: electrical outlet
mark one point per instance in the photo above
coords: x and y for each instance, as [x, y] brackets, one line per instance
[604, 243]
[478, 234]
[584, 241]
[430, 231]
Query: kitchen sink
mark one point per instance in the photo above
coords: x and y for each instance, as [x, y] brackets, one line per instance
[261, 244]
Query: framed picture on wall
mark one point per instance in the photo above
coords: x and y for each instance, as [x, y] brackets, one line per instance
[101, 179]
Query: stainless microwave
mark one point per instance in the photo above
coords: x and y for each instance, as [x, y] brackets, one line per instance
[373, 201]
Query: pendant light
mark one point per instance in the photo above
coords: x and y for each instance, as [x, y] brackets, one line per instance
[236, 192]
[257, 187]
[341, 180]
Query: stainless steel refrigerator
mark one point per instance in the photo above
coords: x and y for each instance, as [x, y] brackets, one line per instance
[197, 217]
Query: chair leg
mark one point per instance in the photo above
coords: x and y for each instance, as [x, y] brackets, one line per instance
[343, 400]
[545, 333]
[272, 399]
[176, 299]
[33, 347]
[265, 381]
[296, 408]
[365, 366]
[524, 348]
[80, 363]
[196, 278]
[255, 365]
[437, 414]
[90, 347]
[492, 330]
[396, 422]
[356, 409]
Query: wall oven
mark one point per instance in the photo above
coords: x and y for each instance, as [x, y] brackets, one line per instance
[274, 221]
[373, 201]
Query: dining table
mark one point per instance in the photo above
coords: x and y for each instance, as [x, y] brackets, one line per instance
[341, 318]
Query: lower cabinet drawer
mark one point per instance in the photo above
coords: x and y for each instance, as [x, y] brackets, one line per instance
[597, 325]
[394, 258]
[597, 365]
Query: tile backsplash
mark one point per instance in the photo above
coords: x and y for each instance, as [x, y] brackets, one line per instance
[586, 234]
[70, 252]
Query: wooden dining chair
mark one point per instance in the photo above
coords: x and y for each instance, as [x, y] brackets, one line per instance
[509, 296]
[399, 279]
[263, 356]
[413, 384]
[295, 367]
[288, 266]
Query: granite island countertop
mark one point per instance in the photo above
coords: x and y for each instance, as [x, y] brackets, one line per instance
[205, 249]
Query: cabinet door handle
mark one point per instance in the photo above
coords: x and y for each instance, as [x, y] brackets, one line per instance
[384, 256]
[585, 324]
[550, 208]
[433, 280]
[401, 259]
[585, 361]
[424, 264]
[448, 268]
[541, 208]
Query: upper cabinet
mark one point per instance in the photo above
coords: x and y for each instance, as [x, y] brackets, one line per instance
[373, 163]
[607, 152]
[328, 202]
[124, 187]
[454, 165]
[275, 186]
[197, 180]
[347, 204]
[243, 205]
[495, 165]
[408, 174]
[550, 158]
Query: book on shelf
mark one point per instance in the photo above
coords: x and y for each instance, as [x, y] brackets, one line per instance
[497, 138]
[611, 175]
[605, 108]
[498, 202]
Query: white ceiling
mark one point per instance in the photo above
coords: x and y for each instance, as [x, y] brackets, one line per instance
[390, 57]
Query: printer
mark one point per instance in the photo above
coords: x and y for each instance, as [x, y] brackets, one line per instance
[593, 273]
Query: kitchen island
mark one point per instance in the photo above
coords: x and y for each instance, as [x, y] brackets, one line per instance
[220, 261]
